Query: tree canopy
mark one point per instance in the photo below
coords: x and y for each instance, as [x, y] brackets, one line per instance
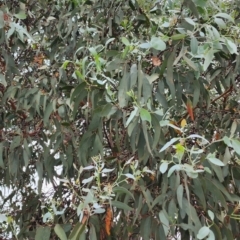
[128, 111]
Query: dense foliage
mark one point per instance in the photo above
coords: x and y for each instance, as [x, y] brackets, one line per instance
[128, 111]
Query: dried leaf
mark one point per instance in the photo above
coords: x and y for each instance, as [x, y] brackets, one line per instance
[156, 61]
[39, 59]
[190, 109]
[183, 123]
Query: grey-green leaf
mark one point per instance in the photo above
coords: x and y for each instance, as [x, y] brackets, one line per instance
[157, 43]
[168, 144]
[1, 19]
[43, 233]
[203, 232]
[163, 167]
[194, 45]
[180, 195]
[165, 222]
[216, 161]
[121, 205]
[60, 232]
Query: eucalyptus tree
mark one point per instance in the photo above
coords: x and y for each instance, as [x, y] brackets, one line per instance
[128, 110]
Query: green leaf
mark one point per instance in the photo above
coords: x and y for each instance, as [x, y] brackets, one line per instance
[208, 59]
[157, 131]
[21, 15]
[211, 214]
[216, 189]
[215, 161]
[152, 78]
[145, 115]
[109, 41]
[80, 90]
[211, 236]
[105, 110]
[192, 7]
[145, 133]
[133, 75]
[163, 167]
[203, 232]
[175, 127]
[169, 75]
[160, 95]
[92, 233]
[60, 232]
[191, 212]
[158, 200]
[121, 205]
[227, 233]
[198, 136]
[215, 32]
[227, 141]
[123, 88]
[65, 64]
[134, 113]
[123, 190]
[87, 180]
[15, 143]
[39, 168]
[1, 156]
[180, 55]
[218, 171]
[125, 41]
[194, 45]
[172, 209]
[10, 32]
[174, 168]
[2, 80]
[147, 195]
[77, 231]
[93, 51]
[165, 222]
[168, 144]
[82, 236]
[236, 145]
[132, 126]
[107, 170]
[196, 93]
[147, 89]
[43, 233]
[225, 16]
[27, 148]
[233, 128]
[21, 31]
[129, 175]
[157, 43]
[178, 36]
[47, 113]
[1, 19]
[180, 195]
[145, 45]
[227, 156]
[190, 21]
[221, 24]
[190, 63]
[145, 228]
[232, 47]
[3, 218]
[198, 190]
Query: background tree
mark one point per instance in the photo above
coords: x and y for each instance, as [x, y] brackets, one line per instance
[129, 110]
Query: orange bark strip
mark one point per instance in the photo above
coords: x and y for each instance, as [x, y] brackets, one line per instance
[190, 110]
[108, 220]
